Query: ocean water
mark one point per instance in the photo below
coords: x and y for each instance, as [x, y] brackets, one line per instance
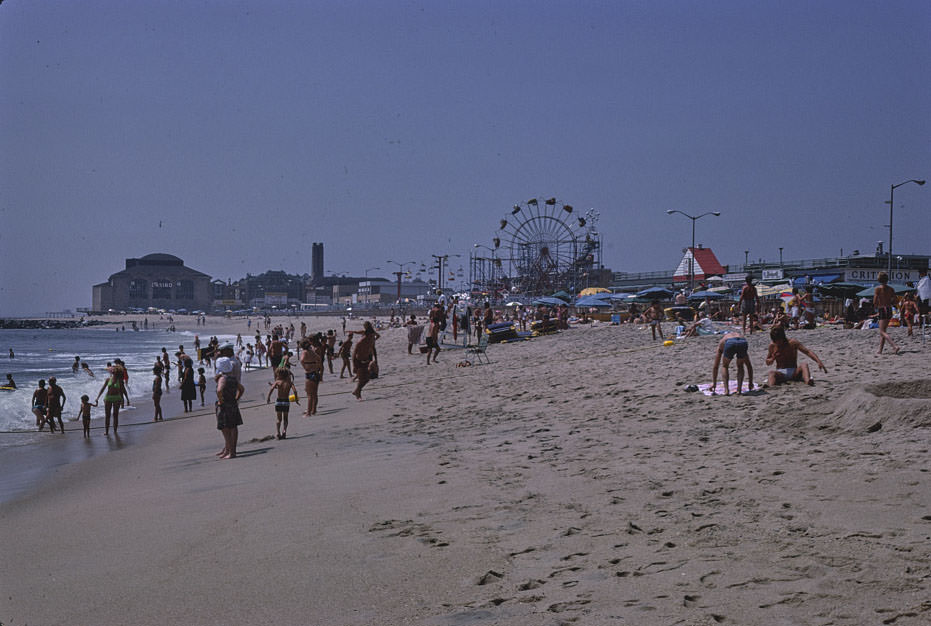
[40, 354]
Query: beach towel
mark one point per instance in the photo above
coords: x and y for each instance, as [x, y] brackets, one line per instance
[705, 388]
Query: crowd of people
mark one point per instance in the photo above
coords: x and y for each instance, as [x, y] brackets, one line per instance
[358, 357]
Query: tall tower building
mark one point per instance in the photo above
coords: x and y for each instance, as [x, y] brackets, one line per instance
[316, 263]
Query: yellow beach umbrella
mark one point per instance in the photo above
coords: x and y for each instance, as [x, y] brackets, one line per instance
[589, 291]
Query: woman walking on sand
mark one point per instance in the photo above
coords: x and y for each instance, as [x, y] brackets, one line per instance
[188, 386]
[363, 356]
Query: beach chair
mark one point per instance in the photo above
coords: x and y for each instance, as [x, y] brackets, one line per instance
[480, 349]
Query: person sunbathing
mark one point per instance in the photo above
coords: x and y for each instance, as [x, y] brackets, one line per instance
[784, 353]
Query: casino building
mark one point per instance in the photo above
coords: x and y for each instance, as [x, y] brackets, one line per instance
[155, 280]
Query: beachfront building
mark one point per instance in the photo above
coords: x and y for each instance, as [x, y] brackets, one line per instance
[159, 281]
[856, 268]
[273, 290]
[699, 261]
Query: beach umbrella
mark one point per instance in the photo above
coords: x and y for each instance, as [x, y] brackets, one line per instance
[772, 290]
[590, 291]
[562, 295]
[701, 295]
[841, 290]
[514, 304]
[548, 300]
[654, 292]
[869, 291]
[592, 300]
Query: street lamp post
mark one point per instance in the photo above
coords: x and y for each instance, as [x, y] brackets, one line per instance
[492, 259]
[441, 260]
[891, 199]
[694, 219]
[400, 273]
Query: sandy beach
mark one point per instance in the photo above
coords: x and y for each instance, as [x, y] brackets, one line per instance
[573, 480]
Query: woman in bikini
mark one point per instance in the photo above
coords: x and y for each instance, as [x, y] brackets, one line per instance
[116, 391]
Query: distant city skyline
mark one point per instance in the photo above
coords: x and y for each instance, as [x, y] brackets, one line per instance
[234, 135]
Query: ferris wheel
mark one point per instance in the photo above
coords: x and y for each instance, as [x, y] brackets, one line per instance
[545, 247]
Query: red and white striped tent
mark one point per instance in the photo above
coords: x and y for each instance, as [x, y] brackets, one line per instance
[706, 265]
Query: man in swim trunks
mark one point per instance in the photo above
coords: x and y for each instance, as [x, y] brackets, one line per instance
[732, 345]
[883, 298]
[784, 353]
[56, 402]
[748, 304]
[313, 369]
[275, 352]
[654, 317]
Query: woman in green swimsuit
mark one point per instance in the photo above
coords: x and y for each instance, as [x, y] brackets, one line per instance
[116, 391]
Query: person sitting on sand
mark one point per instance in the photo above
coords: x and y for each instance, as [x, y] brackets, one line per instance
[654, 317]
[733, 344]
[283, 402]
[883, 297]
[784, 353]
[695, 327]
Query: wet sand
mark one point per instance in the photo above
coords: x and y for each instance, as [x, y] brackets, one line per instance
[571, 481]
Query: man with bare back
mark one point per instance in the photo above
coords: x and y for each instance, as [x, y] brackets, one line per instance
[883, 299]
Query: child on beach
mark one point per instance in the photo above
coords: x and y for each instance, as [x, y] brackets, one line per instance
[157, 393]
[283, 403]
[85, 414]
[201, 383]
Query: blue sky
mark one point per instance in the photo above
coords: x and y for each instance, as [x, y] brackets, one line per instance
[233, 134]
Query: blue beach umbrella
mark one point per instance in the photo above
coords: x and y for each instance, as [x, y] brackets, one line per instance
[592, 301]
[711, 295]
[654, 292]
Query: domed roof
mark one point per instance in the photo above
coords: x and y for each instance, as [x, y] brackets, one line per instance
[160, 256]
